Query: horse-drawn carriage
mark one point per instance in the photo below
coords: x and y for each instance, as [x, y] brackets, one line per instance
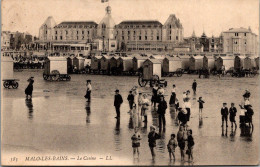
[56, 69]
[7, 66]
[151, 73]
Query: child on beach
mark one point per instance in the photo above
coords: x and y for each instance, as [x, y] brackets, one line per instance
[200, 104]
[232, 114]
[172, 144]
[136, 142]
[190, 145]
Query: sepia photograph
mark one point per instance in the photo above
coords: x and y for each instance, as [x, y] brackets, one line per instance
[129, 82]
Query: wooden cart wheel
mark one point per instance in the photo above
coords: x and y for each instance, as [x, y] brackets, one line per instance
[141, 81]
[68, 78]
[179, 72]
[6, 84]
[55, 75]
[15, 85]
[45, 77]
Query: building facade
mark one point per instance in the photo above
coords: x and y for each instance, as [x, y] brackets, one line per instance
[240, 41]
[107, 36]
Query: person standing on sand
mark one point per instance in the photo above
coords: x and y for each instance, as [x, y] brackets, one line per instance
[224, 113]
[130, 99]
[194, 86]
[172, 144]
[117, 103]
[88, 92]
[29, 89]
[232, 115]
[152, 137]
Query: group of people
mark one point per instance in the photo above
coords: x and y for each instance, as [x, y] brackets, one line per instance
[245, 115]
[184, 137]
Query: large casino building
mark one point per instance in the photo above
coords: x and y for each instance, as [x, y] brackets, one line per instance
[142, 36]
[131, 35]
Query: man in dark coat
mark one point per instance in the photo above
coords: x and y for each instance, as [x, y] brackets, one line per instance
[224, 113]
[117, 103]
[161, 111]
[194, 86]
[232, 114]
[28, 91]
[152, 137]
[130, 99]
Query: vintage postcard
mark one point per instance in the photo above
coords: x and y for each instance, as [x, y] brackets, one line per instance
[129, 82]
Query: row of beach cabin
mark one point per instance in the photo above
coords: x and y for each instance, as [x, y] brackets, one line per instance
[172, 63]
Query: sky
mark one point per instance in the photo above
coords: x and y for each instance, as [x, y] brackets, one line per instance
[212, 16]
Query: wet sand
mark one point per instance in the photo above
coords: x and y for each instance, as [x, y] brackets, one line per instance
[59, 121]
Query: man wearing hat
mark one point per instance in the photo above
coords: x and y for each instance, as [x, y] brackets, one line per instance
[117, 103]
[88, 92]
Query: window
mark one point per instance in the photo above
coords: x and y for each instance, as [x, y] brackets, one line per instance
[82, 37]
[170, 31]
[170, 38]
[245, 43]
[151, 37]
[170, 26]
[60, 37]
[123, 37]
[145, 37]
[66, 32]
[88, 32]
[128, 32]
[82, 32]
[245, 34]
[56, 32]
[134, 32]
[56, 37]
[212, 40]
[236, 34]
[128, 38]
[77, 32]
[140, 37]
[77, 37]
[177, 38]
[46, 32]
[158, 38]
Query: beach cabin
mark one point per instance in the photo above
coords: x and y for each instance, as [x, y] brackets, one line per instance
[105, 65]
[239, 62]
[95, 63]
[78, 62]
[69, 64]
[249, 63]
[209, 62]
[171, 64]
[185, 62]
[7, 67]
[138, 62]
[151, 67]
[125, 64]
[196, 62]
[113, 62]
[227, 61]
[55, 64]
